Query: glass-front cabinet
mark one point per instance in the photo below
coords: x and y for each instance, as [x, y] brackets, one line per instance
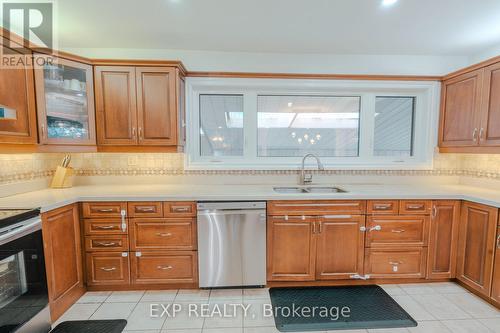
[65, 100]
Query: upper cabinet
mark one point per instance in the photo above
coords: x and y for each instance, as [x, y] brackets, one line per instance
[17, 99]
[470, 112]
[65, 101]
[139, 106]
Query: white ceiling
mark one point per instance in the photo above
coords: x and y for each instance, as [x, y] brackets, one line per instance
[410, 27]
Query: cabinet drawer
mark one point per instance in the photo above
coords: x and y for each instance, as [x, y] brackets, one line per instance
[316, 207]
[145, 209]
[105, 227]
[390, 230]
[164, 267]
[179, 209]
[108, 268]
[383, 207]
[415, 207]
[106, 243]
[396, 263]
[103, 209]
[163, 234]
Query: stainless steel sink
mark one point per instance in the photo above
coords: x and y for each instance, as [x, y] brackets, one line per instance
[309, 189]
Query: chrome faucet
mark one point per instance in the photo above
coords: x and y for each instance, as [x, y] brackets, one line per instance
[306, 177]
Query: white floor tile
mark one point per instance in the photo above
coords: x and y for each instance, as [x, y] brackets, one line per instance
[231, 316]
[388, 330]
[192, 295]
[256, 316]
[474, 306]
[223, 330]
[141, 319]
[94, 297]
[429, 327]
[448, 288]
[195, 330]
[256, 293]
[393, 289]
[273, 329]
[185, 319]
[417, 289]
[78, 312]
[414, 309]
[492, 323]
[124, 296]
[440, 307]
[226, 294]
[142, 331]
[114, 311]
[161, 296]
[466, 326]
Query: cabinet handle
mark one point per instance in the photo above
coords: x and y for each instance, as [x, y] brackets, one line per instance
[415, 206]
[144, 209]
[140, 133]
[163, 234]
[164, 268]
[314, 227]
[395, 263]
[105, 210]
[180, 209]
[104, 244]
[398, 231]
[104, 227]
[498, 242]
[286, 217]
[375, 228]
[474, 135]
[382, 207]
[42, 129]
[320, 227]
[123, 214]
[481, 132]
[336, 216]
[110, 269]
[434, 211]
[133, 133]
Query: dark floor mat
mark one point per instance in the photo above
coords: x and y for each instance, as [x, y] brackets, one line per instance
[368, 307]
[91, 326]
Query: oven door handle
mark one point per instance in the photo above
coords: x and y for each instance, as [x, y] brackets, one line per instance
[29, 227]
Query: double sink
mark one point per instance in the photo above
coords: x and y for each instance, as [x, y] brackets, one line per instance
[308, 189]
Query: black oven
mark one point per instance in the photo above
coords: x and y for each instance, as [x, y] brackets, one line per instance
[23, 282]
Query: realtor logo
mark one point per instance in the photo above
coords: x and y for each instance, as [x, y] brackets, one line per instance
[31, 20]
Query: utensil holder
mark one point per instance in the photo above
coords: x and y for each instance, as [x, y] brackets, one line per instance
[63, 178]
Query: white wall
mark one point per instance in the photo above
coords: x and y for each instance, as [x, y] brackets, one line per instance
[487, 54]
[290, 63]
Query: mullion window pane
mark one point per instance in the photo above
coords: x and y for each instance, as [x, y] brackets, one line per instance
[221, 125]
[295, 125]
[394, 126]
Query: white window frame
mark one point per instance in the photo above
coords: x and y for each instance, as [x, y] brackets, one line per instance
[425, 121]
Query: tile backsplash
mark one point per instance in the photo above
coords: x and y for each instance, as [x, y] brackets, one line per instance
[25, 167]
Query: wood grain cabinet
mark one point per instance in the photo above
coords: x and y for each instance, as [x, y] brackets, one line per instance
[495, 284]
[65, 102]
[476, 243]
[138, 106]
[63, 258]
[17, 99]
[443, 239]
[470, 112]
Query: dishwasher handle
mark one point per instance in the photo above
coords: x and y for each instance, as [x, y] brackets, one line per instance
[218, 212]
[226, 205]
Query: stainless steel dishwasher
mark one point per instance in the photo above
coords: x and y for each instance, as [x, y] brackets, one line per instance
[232, 244]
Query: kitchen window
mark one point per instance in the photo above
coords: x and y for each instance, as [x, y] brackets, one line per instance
[270, 123]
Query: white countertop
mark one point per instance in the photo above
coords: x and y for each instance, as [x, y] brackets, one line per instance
[49, 199]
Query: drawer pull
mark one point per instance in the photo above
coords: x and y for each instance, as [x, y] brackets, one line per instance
[163, 234]
[382, 207]
[180, 209]
[415, 206]
[105, 210]
[336, 216]
[375, 228]
[398, 231]
[164, 268]
[498, 242]
[104, 244]
[110, 269]
[395, 263]
[286, 217]
[123, 214]
[144, 209]
[319, 205]
[105, 227]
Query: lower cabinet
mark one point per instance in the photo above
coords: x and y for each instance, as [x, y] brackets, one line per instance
[108, 268]
[63, 258]
[495, 284]
[475, 247]
[390, 263]
[302, 248]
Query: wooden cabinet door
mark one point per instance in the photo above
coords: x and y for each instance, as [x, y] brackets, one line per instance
[460, 114]
[17, 100]
[490, 122]
[443, 238]
[164, 267]
[340, 247]
[495, 284]
[108, 268]
[163, 234]
[478, 224]
[63, 258]
[116, 109]
[156, 106]
[291, 248]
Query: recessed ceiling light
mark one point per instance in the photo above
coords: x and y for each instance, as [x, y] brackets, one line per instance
[389, 2]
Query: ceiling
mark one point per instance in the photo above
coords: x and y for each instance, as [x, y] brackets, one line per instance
[410, 27]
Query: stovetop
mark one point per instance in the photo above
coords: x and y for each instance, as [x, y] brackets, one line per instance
[12, 216]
